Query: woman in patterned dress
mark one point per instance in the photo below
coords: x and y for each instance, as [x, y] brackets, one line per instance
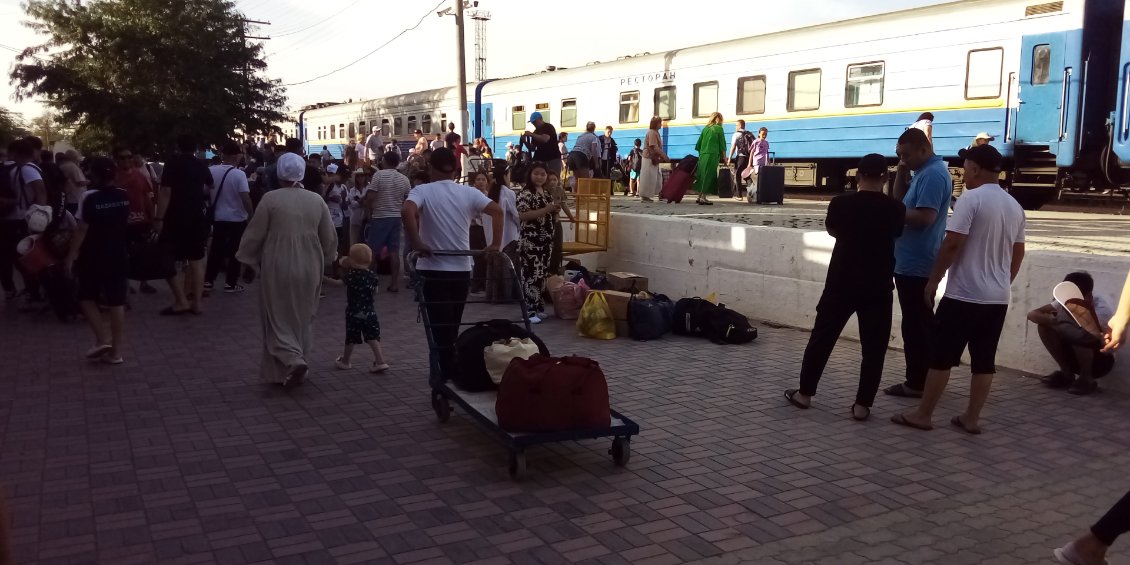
[536, 210]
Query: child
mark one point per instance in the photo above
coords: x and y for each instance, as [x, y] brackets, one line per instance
[635, 163]
[361, 324]
[336, 200]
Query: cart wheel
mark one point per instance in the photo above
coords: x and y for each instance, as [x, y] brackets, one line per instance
[517, 465]
[442, 407]
[621, 451]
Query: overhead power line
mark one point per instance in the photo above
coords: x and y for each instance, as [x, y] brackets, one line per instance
[370, 53]
[321, 21]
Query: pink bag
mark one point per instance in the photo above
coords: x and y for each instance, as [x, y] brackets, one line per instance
[567, 300]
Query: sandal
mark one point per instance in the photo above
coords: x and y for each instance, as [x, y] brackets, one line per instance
[956, 420]
[170, 311]
[903, 391]
[790, 395]
[902, 421]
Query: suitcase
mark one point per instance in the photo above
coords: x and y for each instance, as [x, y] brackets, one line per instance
[680, 181]
[725, 182]
[770, 185]
[552, 394]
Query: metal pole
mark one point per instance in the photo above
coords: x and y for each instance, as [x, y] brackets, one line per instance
[462, 85]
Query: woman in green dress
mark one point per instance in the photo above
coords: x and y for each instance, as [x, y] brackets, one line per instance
[711, 145]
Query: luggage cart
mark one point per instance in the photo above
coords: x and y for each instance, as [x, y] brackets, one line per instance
[480, 405]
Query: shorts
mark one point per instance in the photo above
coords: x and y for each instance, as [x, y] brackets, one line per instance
[579, 160]
[384, 232]
[634, 175]
[958, 324]
[185, 243]
[102, 285]
[362, 328]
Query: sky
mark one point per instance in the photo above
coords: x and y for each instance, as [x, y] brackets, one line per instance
[309, 39]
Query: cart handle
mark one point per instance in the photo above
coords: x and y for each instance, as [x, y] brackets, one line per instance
[415, 256]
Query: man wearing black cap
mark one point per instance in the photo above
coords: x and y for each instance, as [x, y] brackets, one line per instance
[865, 225]
[544, 140]
[982, 252]
[437, 216]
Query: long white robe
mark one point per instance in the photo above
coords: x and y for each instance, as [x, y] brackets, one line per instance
[289, 241]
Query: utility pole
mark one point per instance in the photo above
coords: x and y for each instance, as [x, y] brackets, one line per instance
[243, 37]
[462, 52]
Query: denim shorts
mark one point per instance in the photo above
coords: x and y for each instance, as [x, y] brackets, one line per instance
[384, 232]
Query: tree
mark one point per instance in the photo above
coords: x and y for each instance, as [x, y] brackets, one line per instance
[146, 71]
[49, 127]
[11, 126]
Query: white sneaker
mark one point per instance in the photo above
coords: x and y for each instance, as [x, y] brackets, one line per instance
[534, 319]
[342, 364]
[379, 368]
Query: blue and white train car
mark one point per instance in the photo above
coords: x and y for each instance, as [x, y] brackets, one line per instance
[1042, 77]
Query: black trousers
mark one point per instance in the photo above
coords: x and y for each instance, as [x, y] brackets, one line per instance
[445, 296]
[1114, 523]
[221, 255]
[832, 314]
[479, 270]
[740, 164]
[917, 319]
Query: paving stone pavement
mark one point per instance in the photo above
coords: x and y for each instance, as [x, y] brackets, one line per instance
[181, 456]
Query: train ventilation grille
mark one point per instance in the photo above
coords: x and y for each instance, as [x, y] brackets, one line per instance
[1045, 8]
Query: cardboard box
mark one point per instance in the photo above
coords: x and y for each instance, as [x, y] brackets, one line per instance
[623, 281]
[622, 328]
[618, 302]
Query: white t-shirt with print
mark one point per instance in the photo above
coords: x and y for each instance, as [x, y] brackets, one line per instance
[446, 210]
[992, 222]
[229, 204]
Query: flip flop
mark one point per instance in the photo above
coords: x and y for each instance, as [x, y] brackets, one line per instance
[902, 421]
[901, 390]
[790, 395]
[170, 311]
[956, 420]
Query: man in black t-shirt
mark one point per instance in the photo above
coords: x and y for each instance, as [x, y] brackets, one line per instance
[182, 222]
[544, 140]
[99, 258]
[860, 281]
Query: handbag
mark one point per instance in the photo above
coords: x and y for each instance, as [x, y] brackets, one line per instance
[500, 353]
[39, 257]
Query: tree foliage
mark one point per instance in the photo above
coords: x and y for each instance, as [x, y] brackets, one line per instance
[145, 71]
[11, 126]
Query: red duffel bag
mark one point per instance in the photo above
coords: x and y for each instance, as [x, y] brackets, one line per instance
[552, 394]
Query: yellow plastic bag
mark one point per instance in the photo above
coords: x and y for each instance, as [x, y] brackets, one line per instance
[596, 319]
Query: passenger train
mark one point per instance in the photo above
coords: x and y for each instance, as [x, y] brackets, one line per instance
[1050, 80]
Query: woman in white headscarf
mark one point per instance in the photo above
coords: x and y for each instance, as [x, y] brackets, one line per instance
[289, 241]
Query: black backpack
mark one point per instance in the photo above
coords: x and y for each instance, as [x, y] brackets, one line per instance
[727, 326]
[649, 318]
[690, 316]
[745, 142]
[470, 364]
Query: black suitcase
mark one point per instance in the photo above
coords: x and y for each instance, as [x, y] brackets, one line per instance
[725, 182]
[770, 185]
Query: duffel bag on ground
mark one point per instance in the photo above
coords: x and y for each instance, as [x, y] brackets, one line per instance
[553, 394]
[690, 316]
[727, 326]
[470, 372]
[649, 318]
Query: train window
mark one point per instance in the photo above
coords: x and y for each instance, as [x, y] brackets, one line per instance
[568, 113]
[518, 118]
[751, 95]
[352, 133]
[705, 99]
[543, 108]
[333, 132]
[630, 107]
[983, 73]
[1041, 63]
[341, 130]
[442, 123]
[665, 102]
[361, 129]
[864, 85]
[804, 90]
[398, 125]
[384, 127]
[412, 124]
[426, 123]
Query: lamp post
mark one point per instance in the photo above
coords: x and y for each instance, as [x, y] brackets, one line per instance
[461, 50]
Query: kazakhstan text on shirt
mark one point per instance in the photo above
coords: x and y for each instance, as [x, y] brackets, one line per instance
[111, 205]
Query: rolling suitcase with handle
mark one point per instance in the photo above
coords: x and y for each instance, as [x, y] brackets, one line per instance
[680, 181]
[770, 187]
[725, 182]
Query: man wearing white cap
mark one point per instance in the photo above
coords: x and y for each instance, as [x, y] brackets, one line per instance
[1071, 330]
[982, 138]
[289, 241]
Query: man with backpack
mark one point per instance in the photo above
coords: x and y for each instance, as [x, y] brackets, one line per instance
[742, 144]
[21, 185]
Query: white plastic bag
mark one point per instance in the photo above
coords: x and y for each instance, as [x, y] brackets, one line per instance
[500, 353]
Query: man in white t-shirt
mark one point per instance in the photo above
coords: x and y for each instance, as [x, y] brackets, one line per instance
[27, 184]
[230, 200]
[982, 252]
[437, 216]
[374, 146]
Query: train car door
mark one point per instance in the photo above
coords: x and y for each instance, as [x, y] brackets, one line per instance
[482, 122]
[1046, 92]
[1122, 115]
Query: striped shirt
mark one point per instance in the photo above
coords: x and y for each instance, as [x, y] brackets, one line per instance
[392, 190]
